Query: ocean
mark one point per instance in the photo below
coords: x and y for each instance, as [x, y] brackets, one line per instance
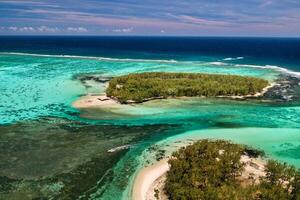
[48, 149]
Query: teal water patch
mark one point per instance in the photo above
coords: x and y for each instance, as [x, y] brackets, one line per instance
[41, 85]
[278, 143]
[212, 112]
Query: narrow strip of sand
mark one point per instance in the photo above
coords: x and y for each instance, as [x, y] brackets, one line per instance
[92, 101]
[146, 177]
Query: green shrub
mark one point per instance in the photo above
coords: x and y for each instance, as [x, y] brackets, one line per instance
[149, 85]
[208, 170]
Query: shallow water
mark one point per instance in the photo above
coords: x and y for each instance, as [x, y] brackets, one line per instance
[49, 149]
[36, 86]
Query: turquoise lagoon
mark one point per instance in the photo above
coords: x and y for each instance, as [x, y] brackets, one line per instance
[50, 149]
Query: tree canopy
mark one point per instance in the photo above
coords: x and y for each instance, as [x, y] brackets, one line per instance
[208, 170]
[151, 85]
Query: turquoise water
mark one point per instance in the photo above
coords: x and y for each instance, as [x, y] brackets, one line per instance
[34, 86]
[38, 123]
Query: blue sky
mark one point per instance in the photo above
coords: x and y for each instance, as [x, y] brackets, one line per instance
[150, 17]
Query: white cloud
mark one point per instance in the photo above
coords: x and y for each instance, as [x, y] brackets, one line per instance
[123, 30]
[13, 28]
[29, 3]
[33, 29]
[266, 3]
[48, 29]
[45, 29]
[201, 21]
[162, 31]
[27, 29]
[77, 29]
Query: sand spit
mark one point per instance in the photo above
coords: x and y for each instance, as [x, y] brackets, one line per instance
[146, 179]
[94, 101]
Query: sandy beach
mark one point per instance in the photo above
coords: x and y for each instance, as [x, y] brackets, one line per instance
[146, 178]
[101, 101]
[152, 178]
[91, 101]
[258, 94]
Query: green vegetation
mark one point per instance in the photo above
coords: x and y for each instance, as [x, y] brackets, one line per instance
[152, 85]
[209, 170]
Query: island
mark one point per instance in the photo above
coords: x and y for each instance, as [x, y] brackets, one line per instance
[140, 87]
[217, 169]
[137, 88]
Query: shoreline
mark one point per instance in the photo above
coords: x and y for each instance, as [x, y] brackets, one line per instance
[94, 101]
[146, 177]
[153, 177]
[101, 100]
[258, 94]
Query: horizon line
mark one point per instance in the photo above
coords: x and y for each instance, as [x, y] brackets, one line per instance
[186, 36]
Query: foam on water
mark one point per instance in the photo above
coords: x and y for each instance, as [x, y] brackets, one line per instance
[271, 67]
[236, 58]
[276, 68]
[89, 57]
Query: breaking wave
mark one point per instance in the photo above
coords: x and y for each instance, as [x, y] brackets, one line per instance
[217, 63]
[272, 67]
[236, 58]
[89, 57]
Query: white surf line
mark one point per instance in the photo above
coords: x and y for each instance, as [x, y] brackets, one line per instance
[236, 58]
[272, 67]
[217, 63]
[88, 57]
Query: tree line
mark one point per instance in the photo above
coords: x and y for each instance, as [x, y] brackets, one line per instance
[150, 85]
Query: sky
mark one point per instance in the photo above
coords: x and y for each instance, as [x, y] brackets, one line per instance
[278, 18]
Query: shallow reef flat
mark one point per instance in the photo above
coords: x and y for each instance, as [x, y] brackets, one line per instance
[62, 159]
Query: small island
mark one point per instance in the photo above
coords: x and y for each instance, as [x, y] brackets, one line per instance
[140, 87]
[217, 169]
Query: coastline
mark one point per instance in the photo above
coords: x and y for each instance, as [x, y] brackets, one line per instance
[103, 101]
[152, 178]
[258, 94]
[145, 179]
[94, 101]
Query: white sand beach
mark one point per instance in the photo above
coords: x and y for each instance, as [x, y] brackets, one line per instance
[153, 177]
[103, 101]
[147, 177]
[91, 101]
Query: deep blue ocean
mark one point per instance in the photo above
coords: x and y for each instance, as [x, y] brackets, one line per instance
[271, 51]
